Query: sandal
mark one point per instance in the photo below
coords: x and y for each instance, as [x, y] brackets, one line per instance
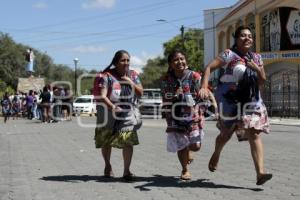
[185, 175]
[108, 173]
[263, 178]
[213, 163]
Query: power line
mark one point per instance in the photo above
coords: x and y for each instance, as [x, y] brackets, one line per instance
[100, 16]
[124, 30]
[109, 32]
[120, 17]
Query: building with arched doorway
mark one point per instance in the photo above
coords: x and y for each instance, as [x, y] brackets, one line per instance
[276, 30]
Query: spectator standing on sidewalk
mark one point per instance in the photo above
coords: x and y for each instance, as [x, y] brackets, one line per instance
[6, 106]
[45, 97]
[35, 105]
[67, 104]
[239, 90]
[58, 95]
[29, 104]
[16, 107]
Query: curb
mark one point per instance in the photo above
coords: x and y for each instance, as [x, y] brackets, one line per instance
[286, 122]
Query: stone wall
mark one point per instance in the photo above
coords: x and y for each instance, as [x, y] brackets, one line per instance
[26, 84]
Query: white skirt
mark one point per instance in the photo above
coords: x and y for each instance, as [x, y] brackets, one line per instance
[179, 141]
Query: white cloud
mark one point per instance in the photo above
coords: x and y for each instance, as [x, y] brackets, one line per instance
[134, 60]
[137, 63]
[40, 5]
[92, 4]
[87, 49]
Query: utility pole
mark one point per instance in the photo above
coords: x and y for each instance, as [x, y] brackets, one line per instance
[182, 36]
[181, 31]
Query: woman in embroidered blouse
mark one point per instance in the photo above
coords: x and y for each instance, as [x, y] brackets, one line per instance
[118, 88]
[253, 119]
[180, 82]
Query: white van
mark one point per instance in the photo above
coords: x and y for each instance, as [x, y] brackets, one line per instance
[84, 105]
[151, 102]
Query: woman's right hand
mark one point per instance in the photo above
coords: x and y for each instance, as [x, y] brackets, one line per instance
[117, 109]
[204, 93]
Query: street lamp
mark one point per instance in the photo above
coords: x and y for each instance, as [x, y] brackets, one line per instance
[76, 60]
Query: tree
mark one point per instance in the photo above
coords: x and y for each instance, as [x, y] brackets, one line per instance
[13, 64]
[153, 71]
[193, 47]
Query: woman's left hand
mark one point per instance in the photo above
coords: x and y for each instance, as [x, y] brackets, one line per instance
[252, 65]
[126, 78]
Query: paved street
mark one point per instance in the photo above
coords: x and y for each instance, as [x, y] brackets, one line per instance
[58, 161]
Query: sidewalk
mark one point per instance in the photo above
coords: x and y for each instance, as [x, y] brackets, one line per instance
[285, 121]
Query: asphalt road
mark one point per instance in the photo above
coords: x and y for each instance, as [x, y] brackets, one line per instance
[58, 161]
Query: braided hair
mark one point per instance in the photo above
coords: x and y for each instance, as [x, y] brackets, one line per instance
[126, 90]
[116, 59]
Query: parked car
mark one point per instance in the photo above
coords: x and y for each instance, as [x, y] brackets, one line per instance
[84, 105]
[151, 102]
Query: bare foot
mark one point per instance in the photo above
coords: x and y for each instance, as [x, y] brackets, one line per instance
[213, 162]
[185, 175]
[261, 179]
[108, 173]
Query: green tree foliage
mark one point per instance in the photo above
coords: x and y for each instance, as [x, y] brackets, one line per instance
[4, 88]
[193, 47]
[13, 66]
[12, 63]
[153, 71]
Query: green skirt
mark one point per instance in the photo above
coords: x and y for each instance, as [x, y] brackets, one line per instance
[105, 138]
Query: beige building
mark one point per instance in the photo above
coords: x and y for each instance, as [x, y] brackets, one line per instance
[276, 28]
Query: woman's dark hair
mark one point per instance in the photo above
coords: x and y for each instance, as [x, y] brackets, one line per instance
[238, 32]
[116, 59]
[171, 56]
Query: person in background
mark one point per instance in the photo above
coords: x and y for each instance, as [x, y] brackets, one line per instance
[39, 106]
[67, 104]
[29, 104]
[45, 97]
[16, 107]
[35, 105]
[6, 106]
[239, 90]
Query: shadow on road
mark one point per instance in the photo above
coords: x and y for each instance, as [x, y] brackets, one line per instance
[153, 181]
[79, 178]
[171, 181]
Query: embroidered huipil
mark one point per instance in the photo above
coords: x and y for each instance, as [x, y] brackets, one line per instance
[172, 87]
[256, 117]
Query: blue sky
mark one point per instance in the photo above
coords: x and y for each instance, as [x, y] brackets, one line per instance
[92, 30]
